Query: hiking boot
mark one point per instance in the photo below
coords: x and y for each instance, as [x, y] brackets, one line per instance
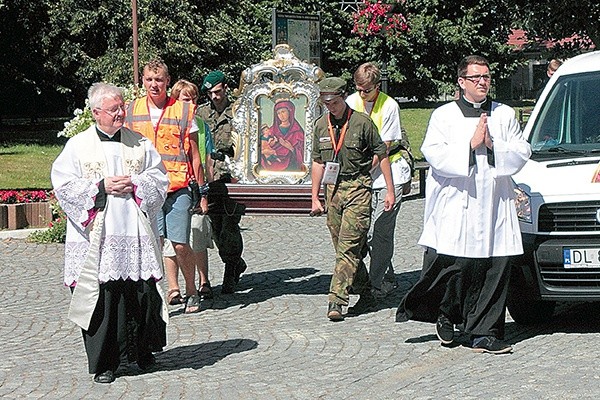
[239, 270]
[205, 292]
[444, 330]
[228, 286]
[366, 303]
[490, 344]
[334, 312]
[229, 283]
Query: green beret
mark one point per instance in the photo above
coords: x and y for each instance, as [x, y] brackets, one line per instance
[332, 87]
[212, 79]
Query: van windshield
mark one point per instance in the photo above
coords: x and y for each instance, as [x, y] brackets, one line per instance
[568, 123]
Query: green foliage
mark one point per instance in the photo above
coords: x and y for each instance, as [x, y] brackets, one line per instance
[76, 43]
[560, 19]
[56, 233]
[422, 62]
[57, 229]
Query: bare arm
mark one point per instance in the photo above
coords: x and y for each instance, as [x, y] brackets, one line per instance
[316, 175]
[390, 197]
[197, 168]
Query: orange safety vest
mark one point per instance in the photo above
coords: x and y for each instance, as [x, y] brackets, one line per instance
[171, 138]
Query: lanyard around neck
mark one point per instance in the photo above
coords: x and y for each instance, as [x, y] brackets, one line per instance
[338, 145]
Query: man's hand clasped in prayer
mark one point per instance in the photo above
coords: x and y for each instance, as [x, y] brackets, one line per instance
[118, 185]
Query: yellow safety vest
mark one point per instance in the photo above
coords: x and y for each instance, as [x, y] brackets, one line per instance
[357, 103]
[171, 139]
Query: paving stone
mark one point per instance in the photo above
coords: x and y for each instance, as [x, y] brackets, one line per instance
[272, 339]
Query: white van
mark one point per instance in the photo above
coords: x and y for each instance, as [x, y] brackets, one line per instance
[558, 195]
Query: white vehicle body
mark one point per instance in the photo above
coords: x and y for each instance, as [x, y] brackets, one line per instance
[558, 195]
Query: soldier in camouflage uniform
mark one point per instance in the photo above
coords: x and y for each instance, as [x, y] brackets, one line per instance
[225, 214]
[347, 141]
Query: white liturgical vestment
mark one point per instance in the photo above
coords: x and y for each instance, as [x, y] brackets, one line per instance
[119, 242]
[469, 207]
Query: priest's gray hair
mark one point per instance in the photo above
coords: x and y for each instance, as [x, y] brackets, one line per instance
[100, 91]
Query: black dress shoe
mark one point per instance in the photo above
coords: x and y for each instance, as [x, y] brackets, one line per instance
[105, 377]
[228, 285]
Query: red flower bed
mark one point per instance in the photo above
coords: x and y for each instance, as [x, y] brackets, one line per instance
[23, 196]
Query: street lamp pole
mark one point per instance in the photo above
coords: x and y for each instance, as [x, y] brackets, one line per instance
[136, 72]
[384, 75]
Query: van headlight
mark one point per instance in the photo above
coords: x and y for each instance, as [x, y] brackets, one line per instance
[523, 205]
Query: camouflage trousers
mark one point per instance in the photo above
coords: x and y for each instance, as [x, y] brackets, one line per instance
[348, 219]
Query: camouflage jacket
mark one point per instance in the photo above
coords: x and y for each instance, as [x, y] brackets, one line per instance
[222, 134]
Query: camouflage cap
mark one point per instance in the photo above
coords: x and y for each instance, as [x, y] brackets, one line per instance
[212, 79]
[331, 88]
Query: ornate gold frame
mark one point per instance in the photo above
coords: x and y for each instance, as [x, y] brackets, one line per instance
[284, 77]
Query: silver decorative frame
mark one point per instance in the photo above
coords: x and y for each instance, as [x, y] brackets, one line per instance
[283, 77]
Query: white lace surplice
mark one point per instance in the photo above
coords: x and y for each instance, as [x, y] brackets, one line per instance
[127, 251]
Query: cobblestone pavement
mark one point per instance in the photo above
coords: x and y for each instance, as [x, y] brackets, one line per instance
[271, 340]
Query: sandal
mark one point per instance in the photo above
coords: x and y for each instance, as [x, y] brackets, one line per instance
[192, 304]
[174, 297]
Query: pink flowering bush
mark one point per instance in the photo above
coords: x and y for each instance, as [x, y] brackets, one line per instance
[377, 18]
[23, 196]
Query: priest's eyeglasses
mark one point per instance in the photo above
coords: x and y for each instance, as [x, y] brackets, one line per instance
[113, 111]
[476, 78]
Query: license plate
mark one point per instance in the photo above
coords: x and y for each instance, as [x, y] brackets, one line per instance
[581, 258]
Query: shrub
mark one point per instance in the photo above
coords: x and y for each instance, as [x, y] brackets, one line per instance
[83, 119]
[57, 228]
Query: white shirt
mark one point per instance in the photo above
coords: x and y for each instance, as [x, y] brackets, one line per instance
[389, 131]
[155, 114]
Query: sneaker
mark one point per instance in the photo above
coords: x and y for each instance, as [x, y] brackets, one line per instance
[444, 330]
[366, 303]
[388, 286]
[334, 312]
[490, 344]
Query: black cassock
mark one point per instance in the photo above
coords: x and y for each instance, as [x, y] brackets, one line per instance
[471, 292]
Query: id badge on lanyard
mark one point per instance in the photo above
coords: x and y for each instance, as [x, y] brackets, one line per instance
[332, 171]
[332, 168]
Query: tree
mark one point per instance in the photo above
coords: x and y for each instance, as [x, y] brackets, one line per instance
[65, 45]
[560, 19]
[422, 61]
[27, 86]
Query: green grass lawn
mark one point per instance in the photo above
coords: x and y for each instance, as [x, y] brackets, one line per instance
[26, 163]
[27, 158]
[415, 121]
[27, 166]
